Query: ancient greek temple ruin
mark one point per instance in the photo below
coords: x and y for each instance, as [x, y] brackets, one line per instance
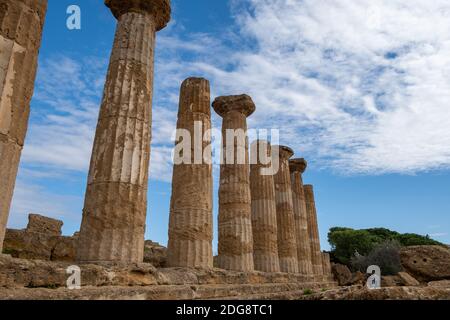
[266, 222]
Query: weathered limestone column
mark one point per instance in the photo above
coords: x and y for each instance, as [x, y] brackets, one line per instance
[313, 230]
[191, 220]
[287, 244]
[326, 264]
[264, 211]
[21, 24]
[235, 224]
[297, 167]
[116, 197]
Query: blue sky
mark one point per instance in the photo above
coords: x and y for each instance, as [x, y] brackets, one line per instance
[360, 89]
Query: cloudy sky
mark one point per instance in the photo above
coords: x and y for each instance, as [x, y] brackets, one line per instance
[360, 88]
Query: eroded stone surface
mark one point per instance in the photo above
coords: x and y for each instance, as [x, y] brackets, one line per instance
[426, 263]
[326, 264]
[389, 293]
[297, 167]
[191, 220]
[17, 273]
[155, 254]
[264, 212]
[21, 23]
[115, 206]
[235, 225]
[287, 242]
[313, 230]
[40, 224]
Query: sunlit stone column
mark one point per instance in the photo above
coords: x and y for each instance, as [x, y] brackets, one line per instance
[116, 197]
[326, 264]
[287, 244]
[190, 225]
[235, 224]
[21, 24]
[313, 230]
[264, 210]
[297, 167]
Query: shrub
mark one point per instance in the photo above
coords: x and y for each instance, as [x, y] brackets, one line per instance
[386, 255]
[307, 292]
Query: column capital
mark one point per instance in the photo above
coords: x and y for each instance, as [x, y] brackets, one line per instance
[298, 165]
[241, 103]
[159, 9]
[284, 152]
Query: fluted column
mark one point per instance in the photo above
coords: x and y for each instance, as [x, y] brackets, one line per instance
[287, 244]
[326, 264]
[190, 223]
[297, 167]
[115, 205]
[264, 210]
[313, 230]
[235, 224]
[21, 24]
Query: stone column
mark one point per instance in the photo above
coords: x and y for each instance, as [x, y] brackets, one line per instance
[235, 224]
[313, 230]
[326, 264]
[287, 244]
[21, 24]
[297, 167]
[115, 205]
[191, 220]
[264, 210]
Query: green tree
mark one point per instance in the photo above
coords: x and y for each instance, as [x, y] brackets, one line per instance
[345, 242]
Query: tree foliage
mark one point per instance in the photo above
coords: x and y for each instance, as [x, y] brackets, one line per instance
[346, 242]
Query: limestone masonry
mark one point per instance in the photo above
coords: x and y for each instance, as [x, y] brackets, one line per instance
[235, 223]
[115, 206]
[264, 212]
[21, 23]
[297, 167]
[313, 230]
[191, 220]
[287, 242]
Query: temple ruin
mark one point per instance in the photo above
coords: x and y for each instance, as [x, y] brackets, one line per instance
[267, 223]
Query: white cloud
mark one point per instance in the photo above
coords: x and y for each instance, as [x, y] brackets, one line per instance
[32, 198]
[359, 85]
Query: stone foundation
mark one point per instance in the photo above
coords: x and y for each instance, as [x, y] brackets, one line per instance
[36, 279]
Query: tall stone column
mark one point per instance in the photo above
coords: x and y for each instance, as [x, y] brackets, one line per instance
[115, 205]
[191, 220]
[21, 24]
[235, 224]
[326, 264]
[287, 244]
[297, 167]
[264, 211]
[313, 230]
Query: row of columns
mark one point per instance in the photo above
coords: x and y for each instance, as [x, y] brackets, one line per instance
[266, 222]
